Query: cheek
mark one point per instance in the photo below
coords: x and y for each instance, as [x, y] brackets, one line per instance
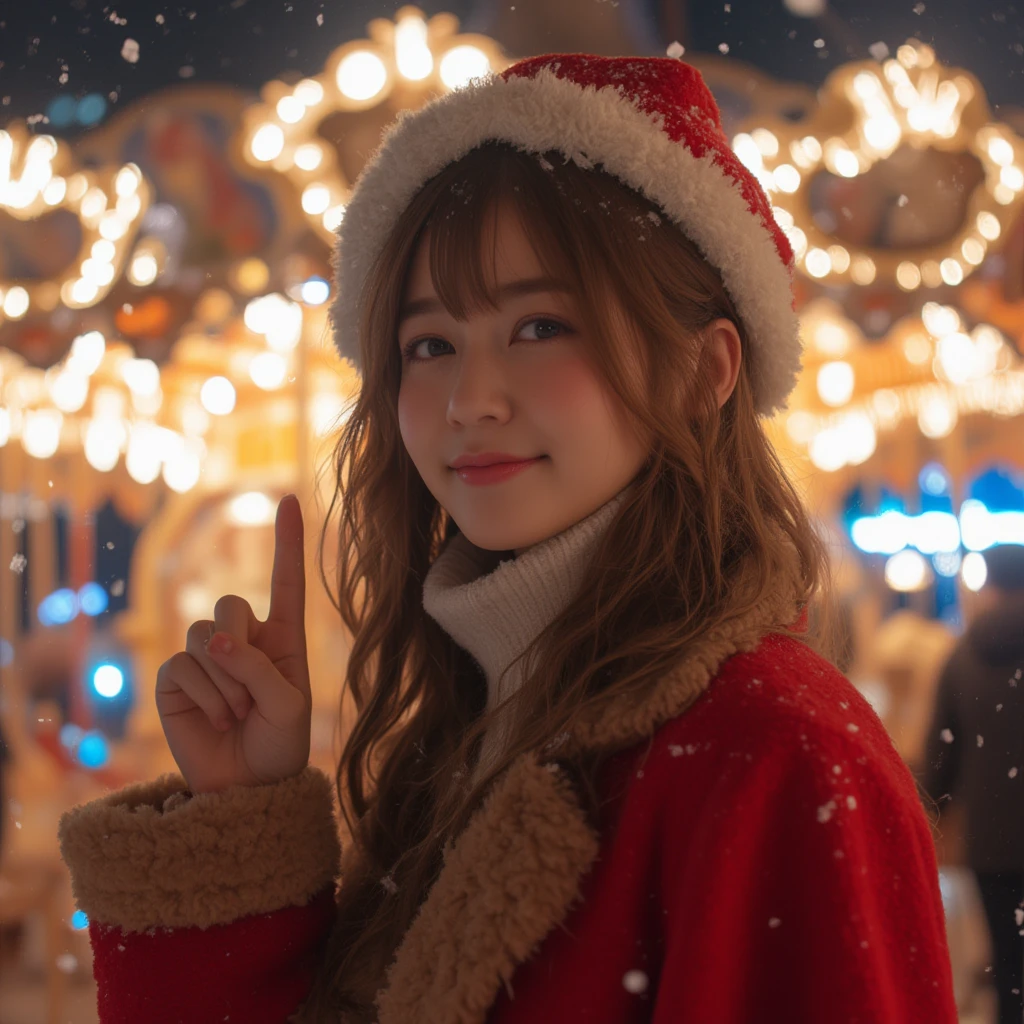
[571, 400]
[414, 405]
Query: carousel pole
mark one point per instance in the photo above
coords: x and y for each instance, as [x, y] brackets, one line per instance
[81, 539]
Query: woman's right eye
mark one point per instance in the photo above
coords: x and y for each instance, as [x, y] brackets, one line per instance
[410, 349]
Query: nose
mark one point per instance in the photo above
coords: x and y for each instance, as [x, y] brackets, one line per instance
[479, 390]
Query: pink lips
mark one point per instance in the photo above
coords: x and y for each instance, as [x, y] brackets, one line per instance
[494, 473]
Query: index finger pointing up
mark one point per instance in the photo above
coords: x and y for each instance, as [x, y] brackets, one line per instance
[288, 583]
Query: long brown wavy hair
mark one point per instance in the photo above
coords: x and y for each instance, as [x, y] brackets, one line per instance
[711, 500]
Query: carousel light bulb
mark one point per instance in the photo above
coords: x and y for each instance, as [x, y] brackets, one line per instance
[952, 272]
[412, 54]
[461, 64]
[113, 226]
[988, 225]
[103, 251]
[937, 416]
[315, 291]
[787, 178]
[268, 370]
[69, 391]
[182, 470]
[94, 202]
[141, 375]
[862, 270]
[1000, 151]
[104, 439]
[267, 143]
[40, 434]
[290, 109]
[835, 383]
[128, 180]
[766, 141]
[55, 191]
[917, 349]
[831, 339]
[308, 156]
[84, 291]
[973, 251]
[974, 570]
[817, 263]
[333, 217]
[87, 352]
[316, 198]
[253, 508]
[840, 258]
[826, 451]
[908, 276]
[361, 75]
[16, 303]
[747, 152]
[939, 319]
[1012, 177]
[143, 269]
[142, 459]
[907, 571]
[309, 91]
[218, 396]
[957, 357]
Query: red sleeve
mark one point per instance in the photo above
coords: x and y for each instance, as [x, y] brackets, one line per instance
[255, 970]
[808, 892]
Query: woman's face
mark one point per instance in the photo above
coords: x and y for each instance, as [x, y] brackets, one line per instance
[514, 381]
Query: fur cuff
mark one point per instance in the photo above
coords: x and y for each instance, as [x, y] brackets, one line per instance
[209, 859]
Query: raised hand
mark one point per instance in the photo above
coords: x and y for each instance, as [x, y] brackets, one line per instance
[235, 705]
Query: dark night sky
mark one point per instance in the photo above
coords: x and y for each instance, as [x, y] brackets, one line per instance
[247, 42]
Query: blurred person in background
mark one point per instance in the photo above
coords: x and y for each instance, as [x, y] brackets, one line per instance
[975, 757]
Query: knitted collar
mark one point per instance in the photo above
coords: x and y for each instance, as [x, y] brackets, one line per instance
[495, 608]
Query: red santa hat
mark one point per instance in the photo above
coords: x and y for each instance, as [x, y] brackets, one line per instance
[652, 123]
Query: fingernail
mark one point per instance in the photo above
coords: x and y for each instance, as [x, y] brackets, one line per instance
[221, 643]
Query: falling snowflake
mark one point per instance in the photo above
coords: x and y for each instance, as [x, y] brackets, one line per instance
[18, 563]
[1019, 915]
[159, 19]
[946, 736]
[388, 885]
[819, 44]
[187, 71]
[723, 47]
[1013, 773]
[878, 50]
[635, 982]
[130, 51]
[774, 922]
[825, 811]
[850, 727]
[851, 802]
[675, 50]
[117, 588]
[675, 750]
[919, 8]
[981, 741]
[18, 525]
[320, 18]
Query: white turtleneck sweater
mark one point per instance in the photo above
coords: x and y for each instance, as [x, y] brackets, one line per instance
[494, 609]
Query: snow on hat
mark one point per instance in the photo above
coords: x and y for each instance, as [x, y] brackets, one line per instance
[652, 123]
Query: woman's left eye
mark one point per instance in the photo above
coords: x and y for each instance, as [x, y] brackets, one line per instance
[545, 324]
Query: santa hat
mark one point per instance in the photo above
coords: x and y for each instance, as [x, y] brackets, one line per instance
[652, 123]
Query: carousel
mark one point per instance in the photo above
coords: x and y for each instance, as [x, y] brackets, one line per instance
[166, 375]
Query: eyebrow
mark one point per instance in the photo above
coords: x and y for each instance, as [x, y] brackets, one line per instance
[514, 289]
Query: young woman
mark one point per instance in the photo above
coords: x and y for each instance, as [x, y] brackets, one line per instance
[601, 770]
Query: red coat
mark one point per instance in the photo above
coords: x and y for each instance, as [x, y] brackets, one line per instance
[766, 859]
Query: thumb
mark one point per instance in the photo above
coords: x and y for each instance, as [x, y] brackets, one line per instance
[288, 582]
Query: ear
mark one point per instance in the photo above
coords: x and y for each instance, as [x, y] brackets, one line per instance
[725, 352]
